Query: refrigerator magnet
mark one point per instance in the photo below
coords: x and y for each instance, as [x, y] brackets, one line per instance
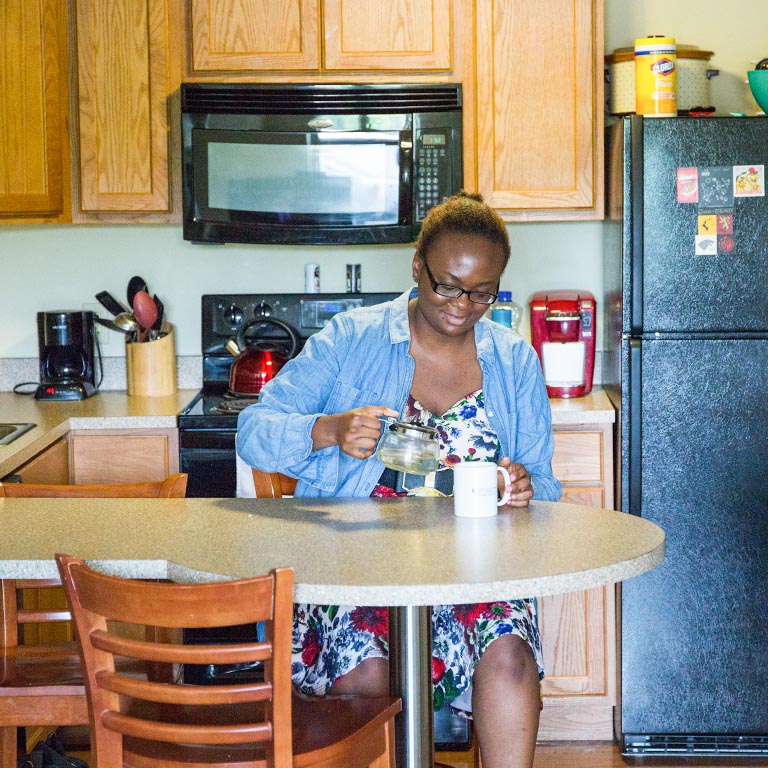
[749, 180]
[687, 185]
[725, 244]
[716, 187]
[707, 224]
[724, 224]
[706, 245]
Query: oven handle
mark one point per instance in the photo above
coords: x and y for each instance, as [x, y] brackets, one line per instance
[207, 439]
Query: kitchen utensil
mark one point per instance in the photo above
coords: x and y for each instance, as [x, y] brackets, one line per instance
[758, 84]
[408, 447]
[145, 312]
[111, 325]
[158, 324]
[110, 303]
[125, 321]
[135, 284]
[260, 358]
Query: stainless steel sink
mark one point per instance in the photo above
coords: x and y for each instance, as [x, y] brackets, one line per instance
[9, 432]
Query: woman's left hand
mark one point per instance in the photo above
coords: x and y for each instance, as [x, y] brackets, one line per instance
[520, 487]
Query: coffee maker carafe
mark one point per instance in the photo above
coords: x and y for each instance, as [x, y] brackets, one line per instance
[66, 342]
[563, 335]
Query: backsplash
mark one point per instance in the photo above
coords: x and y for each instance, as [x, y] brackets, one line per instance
[17, 370]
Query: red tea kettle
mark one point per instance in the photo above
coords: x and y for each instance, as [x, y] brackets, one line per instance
[259, 359]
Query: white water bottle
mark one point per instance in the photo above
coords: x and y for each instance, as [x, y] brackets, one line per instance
[506, 312]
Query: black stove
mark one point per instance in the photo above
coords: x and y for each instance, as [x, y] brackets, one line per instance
[207, 426]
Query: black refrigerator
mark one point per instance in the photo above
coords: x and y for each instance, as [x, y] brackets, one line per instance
[686, 363]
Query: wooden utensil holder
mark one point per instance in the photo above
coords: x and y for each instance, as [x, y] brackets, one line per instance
[150, 366]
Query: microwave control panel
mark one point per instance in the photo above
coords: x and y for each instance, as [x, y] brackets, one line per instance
[433, 175]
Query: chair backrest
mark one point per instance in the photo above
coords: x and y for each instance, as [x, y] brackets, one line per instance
[30, 607]
[173, 487]
[273, 485]
[258, 714]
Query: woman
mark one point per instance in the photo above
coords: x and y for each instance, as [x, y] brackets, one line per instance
[429, 355]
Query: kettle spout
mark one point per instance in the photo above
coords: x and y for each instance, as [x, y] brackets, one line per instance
[232, 348]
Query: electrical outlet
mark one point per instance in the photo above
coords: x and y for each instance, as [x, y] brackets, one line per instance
[103, 335]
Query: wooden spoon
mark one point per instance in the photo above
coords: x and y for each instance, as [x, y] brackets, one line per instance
[145, 312]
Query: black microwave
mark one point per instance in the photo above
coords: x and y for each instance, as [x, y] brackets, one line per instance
[316, 164]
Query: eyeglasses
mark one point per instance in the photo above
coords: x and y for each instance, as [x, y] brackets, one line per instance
[453, 291]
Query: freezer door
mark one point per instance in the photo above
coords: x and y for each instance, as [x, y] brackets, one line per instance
[669, 287]
[694, 642]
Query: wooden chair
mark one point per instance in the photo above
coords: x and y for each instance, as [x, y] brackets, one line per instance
[249, 725]
[41, 684]
[273, 485]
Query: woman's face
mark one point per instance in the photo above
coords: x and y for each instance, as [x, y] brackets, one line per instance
[469, 262]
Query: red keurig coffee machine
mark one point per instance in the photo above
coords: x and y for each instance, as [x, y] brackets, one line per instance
[563, 335]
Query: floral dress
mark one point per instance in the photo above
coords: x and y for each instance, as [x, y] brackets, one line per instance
[331, 640]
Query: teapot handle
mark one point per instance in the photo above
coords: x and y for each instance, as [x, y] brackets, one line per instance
[293, 338]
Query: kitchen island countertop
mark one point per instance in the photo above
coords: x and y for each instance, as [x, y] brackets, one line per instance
[117, 410]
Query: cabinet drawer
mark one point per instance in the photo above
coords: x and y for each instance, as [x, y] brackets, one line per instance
[578, 456]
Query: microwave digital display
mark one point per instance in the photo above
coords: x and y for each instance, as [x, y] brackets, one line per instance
[324, 164]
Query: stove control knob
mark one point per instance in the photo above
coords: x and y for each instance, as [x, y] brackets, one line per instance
[233, 315]
[262, 309]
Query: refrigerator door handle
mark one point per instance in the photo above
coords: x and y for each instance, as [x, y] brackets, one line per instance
[636, 219]
[634, 422]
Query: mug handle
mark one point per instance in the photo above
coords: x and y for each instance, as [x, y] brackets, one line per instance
[505, 497]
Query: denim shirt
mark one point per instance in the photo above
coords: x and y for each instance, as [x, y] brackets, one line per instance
[361, 358]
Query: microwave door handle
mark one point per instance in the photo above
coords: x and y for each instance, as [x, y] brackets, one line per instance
[407, 209]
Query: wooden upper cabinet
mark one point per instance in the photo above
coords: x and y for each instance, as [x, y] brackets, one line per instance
[125, 64]
[34, 150]
[539, 107]
[242, 35]
[314, 36]
[387, 34]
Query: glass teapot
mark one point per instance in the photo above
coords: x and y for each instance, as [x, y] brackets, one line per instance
[406, 447]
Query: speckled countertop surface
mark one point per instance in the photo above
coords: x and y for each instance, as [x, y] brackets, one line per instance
[116, 410]
[360, 551]
[106, 410]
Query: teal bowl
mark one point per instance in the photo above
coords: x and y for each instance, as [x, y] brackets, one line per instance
[758, 83]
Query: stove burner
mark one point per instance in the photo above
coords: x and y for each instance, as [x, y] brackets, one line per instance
[233, 404]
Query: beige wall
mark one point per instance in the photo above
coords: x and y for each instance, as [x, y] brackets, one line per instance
[49, 267]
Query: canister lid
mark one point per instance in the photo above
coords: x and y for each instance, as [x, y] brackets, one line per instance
[683, 52]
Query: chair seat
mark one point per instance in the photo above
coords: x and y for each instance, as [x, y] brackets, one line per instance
[343, 727]
[44, 685]
[39, 665]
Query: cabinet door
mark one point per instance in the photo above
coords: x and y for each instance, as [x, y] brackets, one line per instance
[123, 456]
[49, 466]
[125, 60]
[249, 35]
[387, 34]
[539, 116]
[577, 629]
[34, 151]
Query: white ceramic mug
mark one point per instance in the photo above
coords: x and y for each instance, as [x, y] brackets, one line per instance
[475, 491]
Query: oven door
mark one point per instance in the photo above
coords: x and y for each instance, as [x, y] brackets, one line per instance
[208, 458]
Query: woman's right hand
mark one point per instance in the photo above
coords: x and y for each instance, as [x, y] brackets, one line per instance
[356, 432]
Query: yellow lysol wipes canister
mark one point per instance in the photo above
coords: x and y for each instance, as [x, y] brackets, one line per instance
[656, 76]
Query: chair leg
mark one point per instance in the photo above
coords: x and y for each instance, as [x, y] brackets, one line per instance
[9, 755]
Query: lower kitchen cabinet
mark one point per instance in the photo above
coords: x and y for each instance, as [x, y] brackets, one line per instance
[578, 631]
[50, 466]
[122, 455]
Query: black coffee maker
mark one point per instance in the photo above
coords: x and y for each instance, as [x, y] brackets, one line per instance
[67, 342]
